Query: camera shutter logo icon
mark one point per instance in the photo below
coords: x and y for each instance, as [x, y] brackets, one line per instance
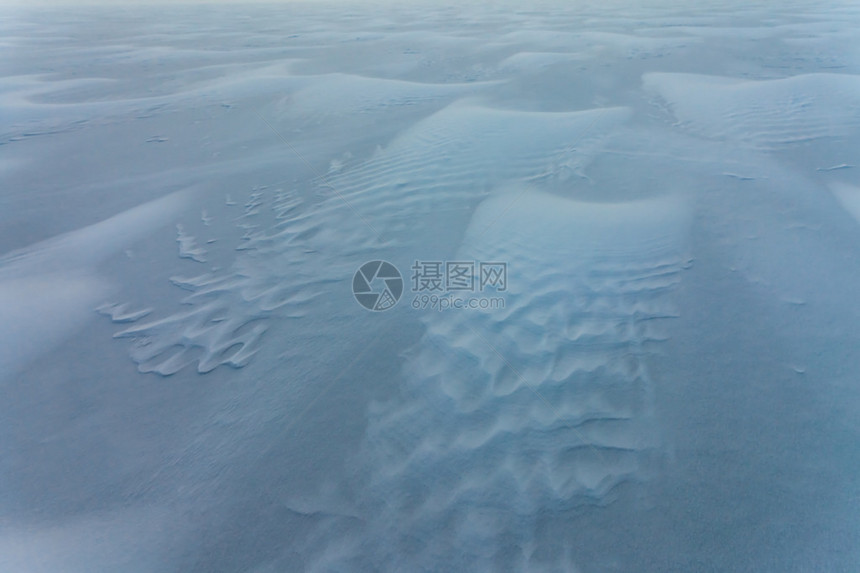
[377, 285]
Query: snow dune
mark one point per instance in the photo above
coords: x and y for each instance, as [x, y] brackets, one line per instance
[49, 289]
[547, 403]
[765, 114]
[190, 385]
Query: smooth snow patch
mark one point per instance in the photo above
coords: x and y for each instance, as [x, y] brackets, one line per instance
[849, 198]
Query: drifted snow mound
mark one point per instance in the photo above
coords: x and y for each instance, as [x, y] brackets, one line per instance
[48, 290]
[765, 114]
[544, 406]
[463, 151]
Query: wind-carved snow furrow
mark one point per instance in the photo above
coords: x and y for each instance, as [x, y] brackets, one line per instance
[288, 252]
[120, 312]
[226, 312]
[188, 248]
[506, 415]
[208, 336]
[272, 277]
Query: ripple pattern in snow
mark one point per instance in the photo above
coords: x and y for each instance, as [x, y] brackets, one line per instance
[546, 405]
[764, 114]
[444, 163]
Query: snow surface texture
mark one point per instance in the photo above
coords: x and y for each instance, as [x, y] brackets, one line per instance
[189, 384]
[765, 114]
[547, 404]
[457, 149]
